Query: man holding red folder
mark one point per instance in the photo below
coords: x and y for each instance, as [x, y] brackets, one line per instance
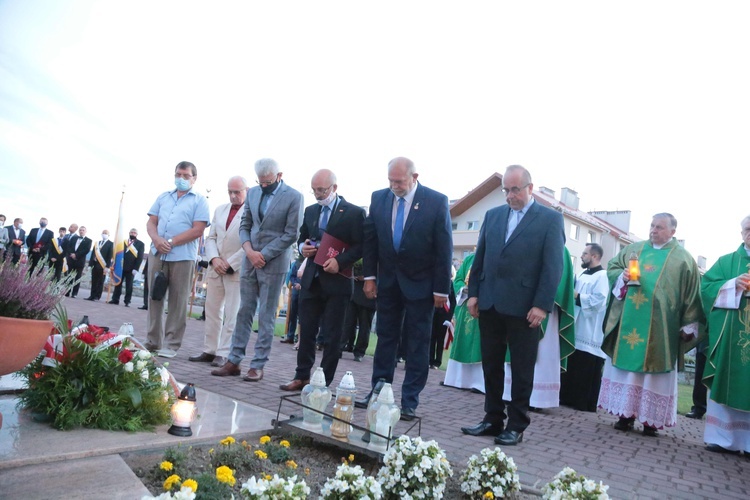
[330, 238]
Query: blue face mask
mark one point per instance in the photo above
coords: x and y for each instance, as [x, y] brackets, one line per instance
[182, 184]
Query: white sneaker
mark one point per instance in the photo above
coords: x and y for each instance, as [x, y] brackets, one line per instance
[166, 353]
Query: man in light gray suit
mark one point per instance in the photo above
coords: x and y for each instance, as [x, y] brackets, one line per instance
[270, 225]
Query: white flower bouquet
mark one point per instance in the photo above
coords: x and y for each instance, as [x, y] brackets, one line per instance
[568, 484]
[492, 474]
[276, 488]
[350, 483]
[414, 467]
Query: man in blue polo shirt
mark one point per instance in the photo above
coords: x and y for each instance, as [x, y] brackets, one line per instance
[176, 221]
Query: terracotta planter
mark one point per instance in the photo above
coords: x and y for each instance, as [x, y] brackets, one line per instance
[21, 341]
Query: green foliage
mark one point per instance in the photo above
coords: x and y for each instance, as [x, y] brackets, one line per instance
[92, 388]
[210, 488]
[277, 454]
[177, 456]
[235, 456]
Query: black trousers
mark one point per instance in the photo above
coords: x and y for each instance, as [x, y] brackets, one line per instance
[437, 341]
[97, 281]
[700, 392]
[78, 271]
[316, 305]
[498, 333]
[358, 318]
[127, 278]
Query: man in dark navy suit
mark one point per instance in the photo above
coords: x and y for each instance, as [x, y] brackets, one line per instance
[38, 242]
[325, 292]
[57, 253]
[408, 249]
[76, 248]
[514, 277]
[16, 239]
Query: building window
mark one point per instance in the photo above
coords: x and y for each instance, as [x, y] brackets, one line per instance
[472, 225]
[591, 238]
[454, 226]
[574, 230]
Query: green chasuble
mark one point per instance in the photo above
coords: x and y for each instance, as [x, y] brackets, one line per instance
[466, 347]
[565, 303]
[727, 371]
[642, 331]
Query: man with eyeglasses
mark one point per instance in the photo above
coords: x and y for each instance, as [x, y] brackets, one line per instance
[726, 301]
[176, 221]
[408, 250]
[646, 323]
[269, 227]
[514, 279]
[326, 282]
[224, 255]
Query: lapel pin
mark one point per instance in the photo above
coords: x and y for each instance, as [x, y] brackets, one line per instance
[416, 207]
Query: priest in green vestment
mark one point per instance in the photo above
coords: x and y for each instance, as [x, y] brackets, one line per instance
[727, 305]
[645, 325]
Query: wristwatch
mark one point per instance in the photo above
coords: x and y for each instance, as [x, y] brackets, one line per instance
[169, 241]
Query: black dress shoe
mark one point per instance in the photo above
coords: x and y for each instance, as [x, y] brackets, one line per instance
[114, 302]
[483, 429]
[650, 431]
[720, 449]
[90, 298]
[287, 341]
[127, 305]
[625, 424]
[695, 414]
[145, 308]
[362, 403]
[203, 357]
[408, 414]
[509, 438]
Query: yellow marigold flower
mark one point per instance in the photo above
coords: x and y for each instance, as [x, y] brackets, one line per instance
[171, 481]
[190, 483]
[291, 464]
[225, 475]
[167, 466]
[267, 477]
[210, 451]
[307, 471]
[489, 495]
[265, 439]
[227, 441]
[351, 457]
[244, 443]
[261, 454]
[284, 443]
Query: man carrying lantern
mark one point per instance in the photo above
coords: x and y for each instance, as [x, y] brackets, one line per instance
[655, 304]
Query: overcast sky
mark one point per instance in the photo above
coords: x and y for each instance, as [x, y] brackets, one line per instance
[640, 106]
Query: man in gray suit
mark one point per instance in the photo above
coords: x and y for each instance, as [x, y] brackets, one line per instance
[514, 278]
[270, 225]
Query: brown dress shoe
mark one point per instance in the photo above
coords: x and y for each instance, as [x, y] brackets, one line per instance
[253, 374]
[294, 385]
[228, 369]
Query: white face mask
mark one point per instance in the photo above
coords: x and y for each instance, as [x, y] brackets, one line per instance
[328, 199]
[20, 226]
[105, 237]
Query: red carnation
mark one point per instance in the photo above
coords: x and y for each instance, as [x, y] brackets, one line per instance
[125, 356]
[87, 337]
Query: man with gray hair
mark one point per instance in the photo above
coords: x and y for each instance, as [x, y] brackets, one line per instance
[649, 314]
[224, 256]
[270, 225]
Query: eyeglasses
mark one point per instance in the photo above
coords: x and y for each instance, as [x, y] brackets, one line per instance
[514, 189]
[187, 177]
[321, 190]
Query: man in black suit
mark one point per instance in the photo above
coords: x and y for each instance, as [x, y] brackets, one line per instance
[39, 241]
[78, 246]
[325, 290]
[16, 238]
[514, 277]
[57, 253]
[131, 262]
[408, 249]
[100, 262]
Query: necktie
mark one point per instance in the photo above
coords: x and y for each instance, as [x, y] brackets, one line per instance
[324, 220]
[263, 205]
[515, 218]
[39, 234]
[398, 227]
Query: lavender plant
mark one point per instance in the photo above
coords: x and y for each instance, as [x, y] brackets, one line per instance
[27, 295]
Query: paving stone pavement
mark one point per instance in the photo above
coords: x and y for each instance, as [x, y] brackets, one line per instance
[673, 465]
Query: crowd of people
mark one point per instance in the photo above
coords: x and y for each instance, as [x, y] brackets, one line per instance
[526, 331]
